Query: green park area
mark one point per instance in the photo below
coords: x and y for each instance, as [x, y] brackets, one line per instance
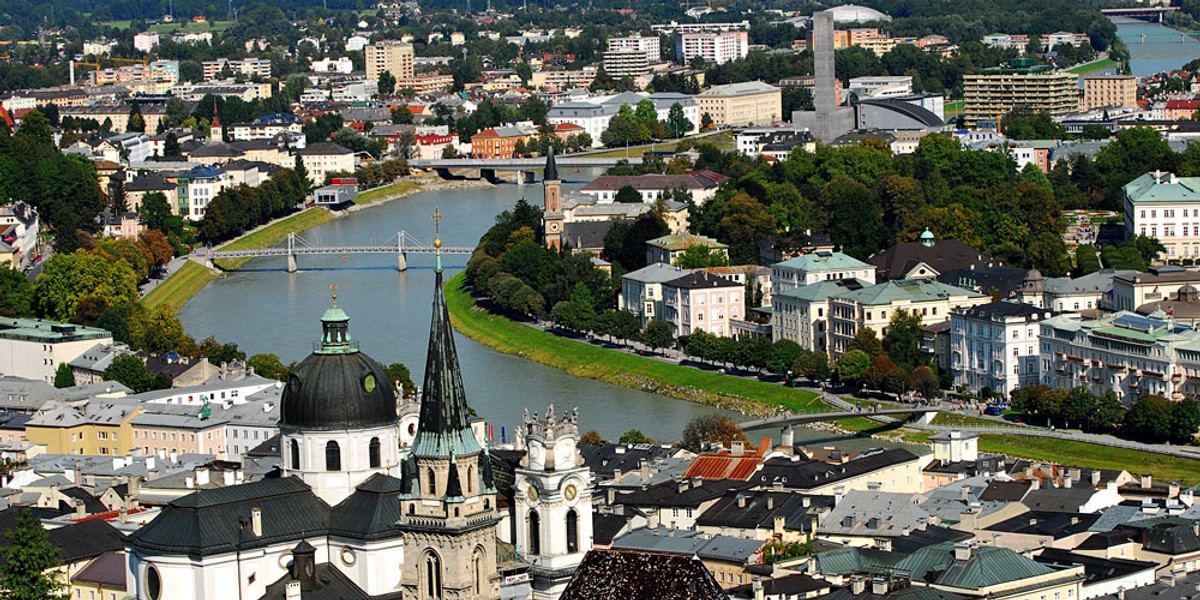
[386, 191]
[179, 287]
[723, 140]
[1092, 67]
[1067, 452]
[274, 233]
[618, 367]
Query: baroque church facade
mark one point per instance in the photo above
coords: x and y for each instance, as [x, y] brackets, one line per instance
[353, 513]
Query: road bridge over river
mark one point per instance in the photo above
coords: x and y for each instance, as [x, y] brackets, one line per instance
[401, 245]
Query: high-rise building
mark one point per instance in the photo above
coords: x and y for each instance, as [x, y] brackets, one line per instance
[1109, 90]
[991, 93]
[391, 56]
[716, 48]
[646, 45]
[625, 62]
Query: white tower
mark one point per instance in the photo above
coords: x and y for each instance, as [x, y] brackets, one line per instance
[553, 512]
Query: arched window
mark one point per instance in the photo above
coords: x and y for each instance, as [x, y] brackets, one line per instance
[432, 574]
[572, 531]
[535, 533]
[477, 567]
[432, 482]
[333, 456]
[470, 480]
[295, 455]
[373, 452]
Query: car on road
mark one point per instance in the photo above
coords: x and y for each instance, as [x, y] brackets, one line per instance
[993, 411]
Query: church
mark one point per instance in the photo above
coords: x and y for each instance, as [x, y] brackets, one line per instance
[356, 512]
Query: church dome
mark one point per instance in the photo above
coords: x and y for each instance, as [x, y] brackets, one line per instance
[337, 387]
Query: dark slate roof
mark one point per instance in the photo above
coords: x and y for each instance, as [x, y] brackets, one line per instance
[758, 509]
[677, 494]
[1167, 535]
[216, 151]
[331, 585]
[617, 575]
[788, 586]
[1095, 568]
[919, 538]
[324, 149]
[213, 521]
[1003, 280]
[107, 570]
[701, 280]
[150, 182]
[1065, 500]
[909, 593]
[605, 527]
[1056, 524]
[86, 540]
[605, 458]
[803, 475]
[586, 235]
[1005, 491]
[370, 512]
[944, 256]
[267, 449]
[1004, 308]
[91, 504]
[444, 424]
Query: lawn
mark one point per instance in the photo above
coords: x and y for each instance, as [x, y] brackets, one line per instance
[723, 140]
[1099, 65]
[953, 419]
[620, 367]
[213, 26]
[385, 191]
[1068, 452]
[179, 287]
[117, 24]
[274, 233]
[955, 106]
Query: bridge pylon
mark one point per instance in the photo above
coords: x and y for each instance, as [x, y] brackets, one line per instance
[291, 255]
[401, 256]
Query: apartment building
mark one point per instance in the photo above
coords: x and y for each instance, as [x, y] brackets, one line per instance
[426, 83]
[625, 62]
[1101, 91]
[197, 187]
[391, 56]
[648, 46]
[749, 103]
[498, 142]
[808, 269]
[266, 127]
[325, 158]
[99, 427]
[801, 314]
[1163, 206]
[145, 41]
[1130, 354]
[642, 290]
[996, 346]
[874, 307]
[1132, 289]
[991, 93]
[718, 48]
[33, 348]
[667, 248]
[250, 67]
[702, 185]
[701, 301]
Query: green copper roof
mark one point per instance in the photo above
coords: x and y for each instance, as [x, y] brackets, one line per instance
[912, 290]
[1163, 187]
[335, 332]
[987, 566]
[823, 262]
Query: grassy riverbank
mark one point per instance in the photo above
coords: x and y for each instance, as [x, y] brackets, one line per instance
[274, 233]
[581, 359]
[1067, 452]
[180, 286]
[723, 140]
[1099, 65]
[386, 191]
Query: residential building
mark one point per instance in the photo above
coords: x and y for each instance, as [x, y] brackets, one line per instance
[19, 229]
[266, 127]
[498, 142]
[928, 259]
[558, 79]
[1163, 206]
[648, 45]
[749, 103]
[996, 346]
[874, 306]
[700, 301]
[865, 517]
[145, 41]
[1181, 109]
[819, 266]
[357, 42]
[391, 56]
[326, 158]
[702, 185]
[341, 65]
[100, 426]
[625, 62]
[642, 290]
[1093, 291]
[197, 187]
[714, 47]
[100, 47]
[726, 557]
[425, 83]
[891, 470]
[1100, 91]
[250, 67]
[1124, 352]
[676, 27]
[991, 93]
[33, 348]
[773, 142]
[801, 314]
[667, 248]
[593, 115]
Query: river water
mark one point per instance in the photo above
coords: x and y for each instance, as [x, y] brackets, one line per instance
[1154, 48]
[265, 309]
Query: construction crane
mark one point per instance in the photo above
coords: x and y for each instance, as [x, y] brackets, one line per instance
[98, 66]
[84, 64]
[144, 61]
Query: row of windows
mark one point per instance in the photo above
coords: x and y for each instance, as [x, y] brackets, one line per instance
[333, 455]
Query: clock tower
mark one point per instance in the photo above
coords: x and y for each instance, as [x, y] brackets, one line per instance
[553, 512]
[552, 217]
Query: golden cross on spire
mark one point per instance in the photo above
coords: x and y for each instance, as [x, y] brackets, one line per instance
[437, 228]
[333, 290]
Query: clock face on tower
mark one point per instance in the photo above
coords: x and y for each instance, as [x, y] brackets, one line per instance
[532, 493]
[570, 492]
[554, 227]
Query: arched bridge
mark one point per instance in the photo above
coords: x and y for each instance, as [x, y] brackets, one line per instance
[401, 245]
[801, 418]
[525, 166]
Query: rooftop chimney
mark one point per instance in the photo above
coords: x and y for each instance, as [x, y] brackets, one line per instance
[737, 448]
[879, 586]
[962, 551]
[858, 585]
[1095, 477]
[1147, 482]
[256, 521]
[291, 591]
[304, 565]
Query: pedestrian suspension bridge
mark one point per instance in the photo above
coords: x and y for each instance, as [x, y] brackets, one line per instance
[402, 244]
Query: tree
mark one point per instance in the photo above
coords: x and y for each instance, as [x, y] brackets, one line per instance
[657, 335]
[137, 123]
[130, 371]
[31, 561]
[621, 324]
[1086, 260]
[903, 340]
[925, 382]
[698, 256]
[524, 72]
[865, 340]
[573, 315]
[1185, 421]
[401, 379]
[634, 436]
[628, 195]
[814, 366]
[783, 357]
[387, 83]
[855, 220]
[267, 365]
[853, 366]
[706, 122]
[591, 436]
[678, 122]
[68, 278]
[63, 378]
[745, 224]
[16, 294]
[1109, 412]
[1149, 419]
[171, 145]
[711, 428]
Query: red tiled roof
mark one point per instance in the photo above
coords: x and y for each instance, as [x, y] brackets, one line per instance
[724, 465]
[567, 127]
[1183, 104]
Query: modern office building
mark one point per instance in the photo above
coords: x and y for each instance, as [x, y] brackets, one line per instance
[1100, 91]
[748, 103]
[391, 56]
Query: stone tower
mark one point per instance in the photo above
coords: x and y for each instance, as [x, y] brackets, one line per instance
[447, 499]
[552, 217]
[553, 501]
[216, 134]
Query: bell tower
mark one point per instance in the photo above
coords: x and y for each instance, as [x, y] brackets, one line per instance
[553, 499]
[552, 217]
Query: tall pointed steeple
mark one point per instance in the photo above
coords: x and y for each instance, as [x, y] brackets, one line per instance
[551, 172]
[444, 425]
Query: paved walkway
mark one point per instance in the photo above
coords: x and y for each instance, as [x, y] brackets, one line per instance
[168, 271]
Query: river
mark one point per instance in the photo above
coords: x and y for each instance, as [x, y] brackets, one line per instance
[265, 309]
[1160, 50]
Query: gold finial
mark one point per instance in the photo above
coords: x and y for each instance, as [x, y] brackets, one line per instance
[333, 290]
[437, 227]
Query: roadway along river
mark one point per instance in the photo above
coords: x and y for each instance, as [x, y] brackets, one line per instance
[264, 309]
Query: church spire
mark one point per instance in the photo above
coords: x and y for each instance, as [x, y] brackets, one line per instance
[551, 172]
[444, 425]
